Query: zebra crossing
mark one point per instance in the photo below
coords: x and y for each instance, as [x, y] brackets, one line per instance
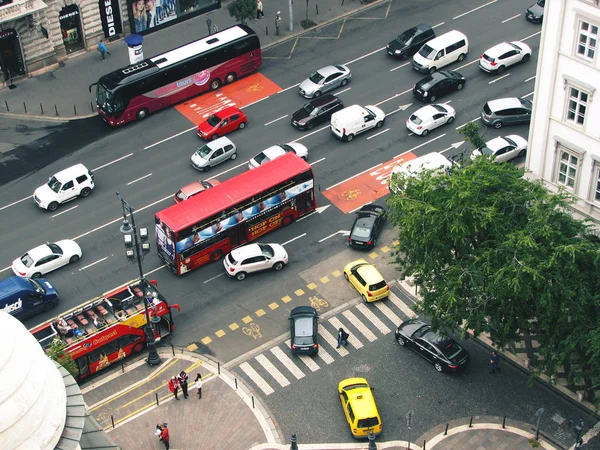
[276, 368]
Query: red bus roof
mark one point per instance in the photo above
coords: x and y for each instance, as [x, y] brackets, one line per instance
[232, 191]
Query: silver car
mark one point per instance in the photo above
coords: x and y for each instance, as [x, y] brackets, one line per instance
[324, 80]
[213, 153]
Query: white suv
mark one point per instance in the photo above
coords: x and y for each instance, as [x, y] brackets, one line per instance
[254, 258]
[66, 185]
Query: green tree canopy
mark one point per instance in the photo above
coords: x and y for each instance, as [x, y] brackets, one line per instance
[495, 252]
[57, 352]
[242, 10]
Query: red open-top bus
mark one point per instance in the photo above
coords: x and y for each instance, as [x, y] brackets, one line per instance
[133, 92]
[112, 326]
[241, 209]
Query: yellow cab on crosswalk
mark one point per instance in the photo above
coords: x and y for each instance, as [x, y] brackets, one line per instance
[359, 407]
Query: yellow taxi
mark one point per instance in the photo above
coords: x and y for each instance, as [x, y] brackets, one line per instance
[359, 407]
[367, 280]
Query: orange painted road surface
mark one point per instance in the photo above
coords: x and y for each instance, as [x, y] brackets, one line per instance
[366, 187]
[240, 93]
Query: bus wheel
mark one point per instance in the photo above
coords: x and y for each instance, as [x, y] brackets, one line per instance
[215, 84]
[215, 256]
[142, 114]
[138, 347]
[286, 221]
[230, 78]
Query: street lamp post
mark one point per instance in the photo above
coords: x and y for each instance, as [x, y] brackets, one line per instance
[128, 228]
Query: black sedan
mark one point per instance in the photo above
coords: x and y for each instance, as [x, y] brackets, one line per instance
[304, 330]
[443, 352]
[367, 226]
[316, 111]
[440, 83]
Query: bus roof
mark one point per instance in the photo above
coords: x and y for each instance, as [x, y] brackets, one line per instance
[232, 191]
[150, 65]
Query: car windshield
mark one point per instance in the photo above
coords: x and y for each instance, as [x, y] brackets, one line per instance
[526, 103]
[377, 286]
[267, 250]
[303, 330]
[510, 141]
[361, 232]
[204, 151]
[450, 349]
[486, 151]
[516, 47]
[428, 83]
[486, 109]
[415, 119]
[181, 195]
[367, 423]
[355, 386]
[316, 77]
[261, 158]
[54, 184]
[287, 148]
[488, 58]
[231, 260]
[309, 108]
[55, 249]
[541, 3]
[27, 260]
[406, 37]
[214, 120]
[37, 286]
[206, 184]
[427, 52]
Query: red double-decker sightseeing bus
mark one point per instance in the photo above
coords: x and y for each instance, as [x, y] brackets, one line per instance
[241, 209]
[110, 327]
[142, 88]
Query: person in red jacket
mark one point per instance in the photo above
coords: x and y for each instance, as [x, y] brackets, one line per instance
[174, 386]
[164, 435]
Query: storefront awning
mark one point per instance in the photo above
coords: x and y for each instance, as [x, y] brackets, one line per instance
[20, 8]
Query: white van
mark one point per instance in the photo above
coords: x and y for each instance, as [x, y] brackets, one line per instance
[441, 51]
[66, 185]
[431, 161]
[355, 119]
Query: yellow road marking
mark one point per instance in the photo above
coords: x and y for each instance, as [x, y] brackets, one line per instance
[312, 286]
[273, 306]
[324, 280]
[299, 292]
[206, 340]
[247, 319]
[233, 326]
[286, 299]
[373, 255]
[260, 312]
[192, 347]
[336, 273]
[220, 333]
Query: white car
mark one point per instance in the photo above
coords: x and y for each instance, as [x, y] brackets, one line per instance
[66, 185]
[46, 258]
[254, 258]
[503, 148]
[276, 151]
[429, 118]
[501, 56]
[324, 80]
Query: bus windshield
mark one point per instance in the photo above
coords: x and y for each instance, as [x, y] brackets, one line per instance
[104, 98]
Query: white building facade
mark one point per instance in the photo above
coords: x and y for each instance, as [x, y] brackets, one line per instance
[564, 136]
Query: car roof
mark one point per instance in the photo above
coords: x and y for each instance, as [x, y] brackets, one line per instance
[192, 188]
[328, 70]
[246, 251]
[503, 103]
[498, 49]
[274, 151]
[227, 111]
[426, 111]
[218, 143]
[39, 252]
[323, 100]
[370, 273]
[496, 143]
[71, 172]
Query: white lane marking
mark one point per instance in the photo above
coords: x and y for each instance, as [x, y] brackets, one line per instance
[256, 378]
[65, 211]
[402, 306]
[358, 324]
[341, 92]
[214, 278]
[5, 269]
[474, 120]
[273, 371]
[287, 362]
[308, 362]
[528, 95]
[169, 138]
[313, 132]
[393, 97]
[245, 163]
[326, 357]
[18, 201]
[288, 88]
[293, 239]
[529, 79]
[364, 309]
[421, 145]
[468, 64]
[273, 121]
[530, 36]
[474, 9]
[400, 67]
[139, 179]
[254, 103]
[364, 56]
[352, 339]
[156, 270]
[112, 162]
[93, 264]
[330, 236]
[510, 18]
[388, 313]
[499, 78]
[318, 161]
[331, 340]
[381, 132]
[356, 209]
[438, 25]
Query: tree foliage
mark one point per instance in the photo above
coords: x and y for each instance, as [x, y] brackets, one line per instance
[497, 253]
[242, 10]
[57, 352]
[470, 133]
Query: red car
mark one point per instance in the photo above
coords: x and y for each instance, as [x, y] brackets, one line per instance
[221, 123]
[193, 189]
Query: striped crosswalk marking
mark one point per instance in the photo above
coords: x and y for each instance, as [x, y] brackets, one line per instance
[309, 362]
[388, 313]
[364, 309]
[332, 341]
[325, 356]
[273, 371]
[401, 306]
[352, 339]
[256, 378]
[287, 362]
[358, 324]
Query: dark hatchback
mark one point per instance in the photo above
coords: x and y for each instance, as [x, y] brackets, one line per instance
[410, 42]
[316, 112]
[367, 226]
[535, 13]
[438, 84]
[304, 329]
[443, 352]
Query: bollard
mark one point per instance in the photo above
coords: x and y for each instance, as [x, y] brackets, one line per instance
[424, 444]
[267, 30]
[317, 6]
[372, 445]
[235, 383]
[253, 402]
[173, 349]
[504, 422]
[56, 109]
[112, 419]
[156, 394]
[6, 103]
[122, 367]
[25, 107]
[42, 109]
[75, 109]
[294, 443]
[471, 422]
[219, 367]
[446, 432]
[92, 106]
[277, 22]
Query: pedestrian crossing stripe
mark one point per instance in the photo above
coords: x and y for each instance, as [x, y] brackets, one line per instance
[332, 341]
[287, 362]
[308, 362]
[351, 339]
[256, 378]
[388, 312]
[404, 308]
[358, 324]
[273, 371]
[326, 357]
[373, 318]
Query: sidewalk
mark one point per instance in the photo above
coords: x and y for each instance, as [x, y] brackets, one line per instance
[230, 417]
[61, 93]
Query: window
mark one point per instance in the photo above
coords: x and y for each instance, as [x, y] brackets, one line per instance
[597, 187]
[588, 38]
[578, 100]
[567, 170]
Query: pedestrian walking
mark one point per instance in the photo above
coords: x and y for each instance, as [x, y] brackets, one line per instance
[494, 361]
[342, 337]
[198, 381]
[164, 435]
[103, 49]
[174, 386]
[182, 379]
[259, 10]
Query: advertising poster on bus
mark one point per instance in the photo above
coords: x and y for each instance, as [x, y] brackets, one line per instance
[149, 15]
[164, 239]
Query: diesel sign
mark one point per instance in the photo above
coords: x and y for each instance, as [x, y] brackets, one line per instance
[110, 15]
